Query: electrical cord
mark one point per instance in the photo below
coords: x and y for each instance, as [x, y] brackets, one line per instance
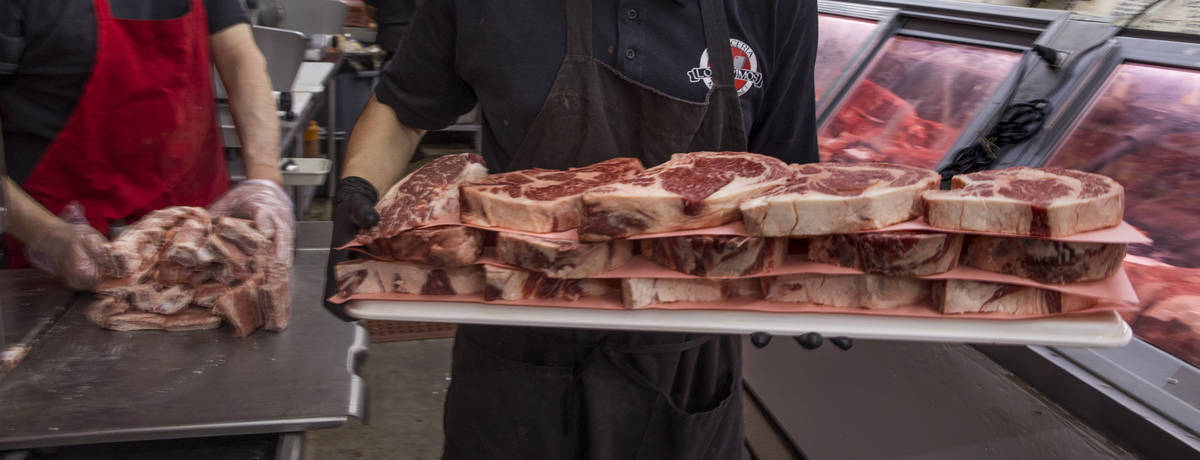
[1019, 122]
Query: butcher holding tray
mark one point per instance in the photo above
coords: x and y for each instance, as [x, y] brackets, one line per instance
[674, 76]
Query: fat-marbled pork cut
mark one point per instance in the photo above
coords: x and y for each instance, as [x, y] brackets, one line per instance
[692, 190]
[889, 253]
[716, 255]
[512, 284]
[562, 258]
[964, 296]
[538, 200]
[425, 196]
[643, 292]
[827, 198]
[367, 276]
[854, 291]
[1046, 261]
[1026, 201]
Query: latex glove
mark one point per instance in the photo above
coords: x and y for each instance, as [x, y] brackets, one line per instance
[70, 249]
[353, 210]
[809, 341]
[265, 203]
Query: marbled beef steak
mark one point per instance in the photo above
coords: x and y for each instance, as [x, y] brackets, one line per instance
[692, 190]
[367, 276]
[716, 255]
[562, 258]
[427, 195]
[1046, 261]
[643, 292]
[852, 291]
[538, 200]
[511, 284]
[963, 296]
[449, 246]
[827, 198]
[889, 253]
[1051, 202]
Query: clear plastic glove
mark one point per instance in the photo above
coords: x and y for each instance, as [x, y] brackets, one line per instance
[265, 203]
[70, 249]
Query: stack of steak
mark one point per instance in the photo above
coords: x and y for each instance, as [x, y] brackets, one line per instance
[182, 269]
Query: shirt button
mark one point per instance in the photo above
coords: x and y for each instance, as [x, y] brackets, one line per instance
[631, 14]
[630, 53]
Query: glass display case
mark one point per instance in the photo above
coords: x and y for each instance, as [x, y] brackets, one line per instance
[1142, 128]
[841, 41]
[914, 101]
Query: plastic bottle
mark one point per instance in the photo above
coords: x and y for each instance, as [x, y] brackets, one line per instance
[312, 140]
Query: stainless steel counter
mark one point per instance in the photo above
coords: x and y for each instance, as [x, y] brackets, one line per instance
[30, 301]
[83, 385]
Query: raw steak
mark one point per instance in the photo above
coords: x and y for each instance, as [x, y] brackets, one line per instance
[240, 308]
[428, 194]
[366, 276]
[274, 295]
[110, 313]
[241, 233]
[538, 200]
[962, 296]
[135, 249]
[640, 292]
[1045, 261]
[692, 190]
[826, 198]
[1027, 201]
[857, 291]
[717, 256]
[187, 243]
[159, 299]
[515, 284]
[449, 246]
[890, 253]
[562, 258]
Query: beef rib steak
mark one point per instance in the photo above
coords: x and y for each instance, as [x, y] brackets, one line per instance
[1045, 261]
[366, 276]
[1026, 201]
[447, 246]
[852, 291]
[642, 292]
[889, 253]
[512, 284]
[963, 296]
[562, 258]
[538, 200]
[428, 194]
[692, 190]
[827, 198]
[716, 255]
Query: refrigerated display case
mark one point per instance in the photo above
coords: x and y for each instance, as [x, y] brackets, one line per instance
[849, 33]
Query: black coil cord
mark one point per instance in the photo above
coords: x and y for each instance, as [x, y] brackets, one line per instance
[1019, 122]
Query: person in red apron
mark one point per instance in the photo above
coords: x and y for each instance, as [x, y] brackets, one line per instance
[544, 393]
[143, 134]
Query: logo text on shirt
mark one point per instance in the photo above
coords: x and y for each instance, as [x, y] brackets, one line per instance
[745, 68]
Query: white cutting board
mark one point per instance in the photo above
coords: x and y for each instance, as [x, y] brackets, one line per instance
[1099, 329]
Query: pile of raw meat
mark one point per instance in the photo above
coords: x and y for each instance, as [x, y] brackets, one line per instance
[181, 269]
[561, 235]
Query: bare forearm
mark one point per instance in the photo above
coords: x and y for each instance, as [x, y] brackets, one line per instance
[27, 218]
[380, 147]
[243, 70]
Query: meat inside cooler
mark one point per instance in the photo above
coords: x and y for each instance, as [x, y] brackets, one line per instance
[915, 99]
[1143, 129]
[840, 40]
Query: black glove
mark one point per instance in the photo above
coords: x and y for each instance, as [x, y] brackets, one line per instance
[810, 341]
[353, 210]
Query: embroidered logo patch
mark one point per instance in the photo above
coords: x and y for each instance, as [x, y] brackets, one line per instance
[745, 68]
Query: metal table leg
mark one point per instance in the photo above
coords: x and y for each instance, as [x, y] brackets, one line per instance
[331, 133]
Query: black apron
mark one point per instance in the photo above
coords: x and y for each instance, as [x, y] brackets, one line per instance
[541, 393]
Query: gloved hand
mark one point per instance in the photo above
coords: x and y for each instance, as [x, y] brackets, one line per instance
[353, 210]
[810, 341]
[265, 203]
[70, 249]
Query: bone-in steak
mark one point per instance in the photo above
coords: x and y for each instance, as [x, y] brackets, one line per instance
[692, 190]
[449, 246]
[643, 292]
[1027, 201]
[1045, 261]
[826, 198]
[428, 194]
[963, 296]
[562, 258]
[365, 276]
[890, 253]
[853, 291]
[538, 200]
[515, 284]
[717, 256]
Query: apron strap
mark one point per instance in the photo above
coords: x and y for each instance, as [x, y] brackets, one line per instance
[716, 38]
[579, 28]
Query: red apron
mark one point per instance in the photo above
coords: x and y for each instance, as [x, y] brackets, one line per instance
[144, 134]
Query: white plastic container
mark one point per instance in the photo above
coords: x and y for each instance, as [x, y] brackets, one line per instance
[308, 171]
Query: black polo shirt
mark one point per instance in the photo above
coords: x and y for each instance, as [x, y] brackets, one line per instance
[47, 48]
[505, 55]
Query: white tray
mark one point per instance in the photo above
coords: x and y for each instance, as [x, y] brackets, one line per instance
[310, 171]
[1099, 329]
